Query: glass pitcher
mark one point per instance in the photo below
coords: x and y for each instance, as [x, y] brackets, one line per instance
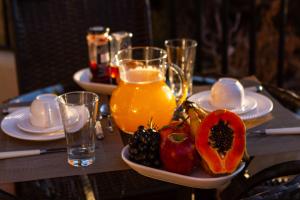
[142, 93]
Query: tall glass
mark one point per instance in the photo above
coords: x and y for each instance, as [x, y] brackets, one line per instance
[142, 93]
[119, 40]
[182, 53]
[79, 112]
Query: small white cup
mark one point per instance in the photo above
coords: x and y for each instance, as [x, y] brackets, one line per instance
[227, 93]
[44, 111]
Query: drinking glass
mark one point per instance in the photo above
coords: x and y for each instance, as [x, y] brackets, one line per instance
[118, 40]
[79, 112]
[143, 93]
[182, 53]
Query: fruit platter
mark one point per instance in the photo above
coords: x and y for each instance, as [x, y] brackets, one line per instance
[199, 150]
[198, 178]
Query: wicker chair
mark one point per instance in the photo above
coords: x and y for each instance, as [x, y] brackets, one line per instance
[6, 196]
[49, 35]
[50, 45]
[275, 182]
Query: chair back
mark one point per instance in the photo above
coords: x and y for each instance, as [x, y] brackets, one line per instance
[49, 35]
[275, 182]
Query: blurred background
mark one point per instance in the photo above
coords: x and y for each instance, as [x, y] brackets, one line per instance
[246, 20]
[202, 20]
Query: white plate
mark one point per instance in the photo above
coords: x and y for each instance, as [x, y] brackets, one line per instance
[198, 179]
[203, 100]
[9, 126]
[83, 79]
[25, 125]
[263, 107]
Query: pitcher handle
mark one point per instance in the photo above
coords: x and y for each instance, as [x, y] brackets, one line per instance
[182, 92]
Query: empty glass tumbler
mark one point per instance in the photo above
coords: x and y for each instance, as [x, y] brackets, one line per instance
[79, 112]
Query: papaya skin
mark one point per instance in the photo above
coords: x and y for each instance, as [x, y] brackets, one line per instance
[214, 162]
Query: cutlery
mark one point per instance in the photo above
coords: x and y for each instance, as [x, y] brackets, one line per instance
[257, 88]
[277, 131]
[99, 131]
[9, 107]
[19, 104]
[105, 113]
[24, 153]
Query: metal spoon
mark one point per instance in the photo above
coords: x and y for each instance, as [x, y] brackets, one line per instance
[105, 113]
[257, 88]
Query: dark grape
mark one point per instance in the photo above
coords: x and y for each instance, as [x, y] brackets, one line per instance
[144, 147]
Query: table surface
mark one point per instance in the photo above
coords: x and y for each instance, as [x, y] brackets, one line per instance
[108, 150]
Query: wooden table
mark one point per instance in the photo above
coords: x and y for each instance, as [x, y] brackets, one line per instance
[55, 165]
[108, 157]
[278, 118]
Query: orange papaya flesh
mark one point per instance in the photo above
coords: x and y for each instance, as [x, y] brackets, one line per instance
[221, 141]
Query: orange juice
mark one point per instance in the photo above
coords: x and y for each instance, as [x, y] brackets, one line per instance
[142, 95]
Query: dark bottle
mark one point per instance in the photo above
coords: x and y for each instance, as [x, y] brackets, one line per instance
[99, 54]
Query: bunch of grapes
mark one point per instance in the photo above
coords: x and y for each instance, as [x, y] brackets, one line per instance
[144, 147]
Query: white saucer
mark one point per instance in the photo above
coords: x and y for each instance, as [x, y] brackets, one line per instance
[83, 79]
[264, 107]
[9, 126]
[263, 104]
[203, 100]
[25, 125]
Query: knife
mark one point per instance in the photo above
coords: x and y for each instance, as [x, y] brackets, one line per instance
[19, 104]
[24, 153]
[11, 107]
[277, 131]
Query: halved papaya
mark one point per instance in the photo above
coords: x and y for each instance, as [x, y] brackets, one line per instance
[221, 141]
